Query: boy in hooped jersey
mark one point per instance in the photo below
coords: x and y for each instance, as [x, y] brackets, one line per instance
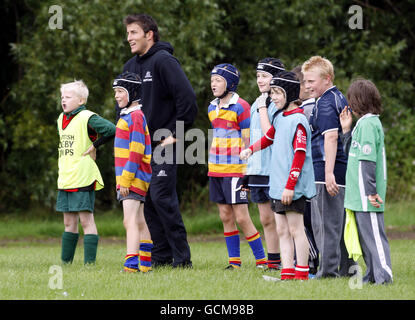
[366, 177]
[78, 175]
[229, 116]
[132, 152]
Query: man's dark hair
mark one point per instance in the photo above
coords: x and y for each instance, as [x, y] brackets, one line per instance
[146, 22]
[364, 97]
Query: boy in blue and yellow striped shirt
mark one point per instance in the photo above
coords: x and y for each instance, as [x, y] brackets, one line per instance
[230, 118]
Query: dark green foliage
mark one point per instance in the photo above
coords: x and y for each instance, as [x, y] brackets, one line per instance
[92, 46]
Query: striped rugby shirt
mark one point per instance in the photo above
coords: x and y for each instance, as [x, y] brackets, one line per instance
[132, 151]
[230, 125]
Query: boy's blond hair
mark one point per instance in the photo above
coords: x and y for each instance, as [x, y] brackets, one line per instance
[78, 87]
[323, 65]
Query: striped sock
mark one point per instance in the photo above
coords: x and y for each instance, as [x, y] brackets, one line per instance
[257, 248]
[274, 260]
[301, 272]
[131, 262]
[287, 273]
[145, 255]
[233, 245]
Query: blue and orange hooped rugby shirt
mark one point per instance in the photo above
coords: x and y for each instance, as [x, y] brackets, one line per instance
[230, 126]
[132, 151]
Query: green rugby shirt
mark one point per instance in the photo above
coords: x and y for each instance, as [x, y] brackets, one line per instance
[367, 144]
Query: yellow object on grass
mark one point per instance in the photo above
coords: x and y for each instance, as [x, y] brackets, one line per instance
[351, 236]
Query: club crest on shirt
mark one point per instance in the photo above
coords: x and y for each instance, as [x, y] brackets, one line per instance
[367, 149]
[301, 138]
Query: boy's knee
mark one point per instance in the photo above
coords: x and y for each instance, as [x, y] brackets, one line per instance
[267, 221]
[282, 230]
[242, 219]
[70, 222]
[88, 223]
[296, 232]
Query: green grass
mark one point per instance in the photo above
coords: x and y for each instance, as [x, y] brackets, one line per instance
[24, 274]
[30, 245]
[398, 217]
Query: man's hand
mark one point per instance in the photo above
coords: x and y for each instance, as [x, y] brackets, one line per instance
[287, 197]
[168, 140]
[375, 200]
[92, 152]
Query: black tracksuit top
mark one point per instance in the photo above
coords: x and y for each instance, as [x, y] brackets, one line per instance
[167, 95]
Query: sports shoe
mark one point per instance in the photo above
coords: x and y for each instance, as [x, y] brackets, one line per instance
[232, 267]
[268, 269]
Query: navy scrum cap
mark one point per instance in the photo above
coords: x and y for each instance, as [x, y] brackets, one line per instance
[229, 73]
[131, 83]
[288, 82]
[272, 66]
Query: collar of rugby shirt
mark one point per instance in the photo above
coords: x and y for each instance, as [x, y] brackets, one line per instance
[233, 100]
[130, 109]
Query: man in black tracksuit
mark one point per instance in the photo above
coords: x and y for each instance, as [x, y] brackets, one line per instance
[167, 98]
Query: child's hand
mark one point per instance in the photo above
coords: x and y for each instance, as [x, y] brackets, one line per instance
[124, 191]
[287, 197]
[92, 152]
[346, 119]
[245, 154]
[375, 200]
[331, 185]
[261, 101]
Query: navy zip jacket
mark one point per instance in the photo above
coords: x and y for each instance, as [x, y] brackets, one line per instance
[167, 95]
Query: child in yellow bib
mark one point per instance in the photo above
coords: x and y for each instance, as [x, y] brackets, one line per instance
[78, 175]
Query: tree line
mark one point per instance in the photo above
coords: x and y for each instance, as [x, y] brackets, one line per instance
[91, 45]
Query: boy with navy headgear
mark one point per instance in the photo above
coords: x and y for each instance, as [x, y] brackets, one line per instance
[229, 115]
[132, 153]
[292, 175]
[256, 179]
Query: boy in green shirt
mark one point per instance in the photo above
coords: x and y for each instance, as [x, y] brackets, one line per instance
[78, 175]
[366, 177]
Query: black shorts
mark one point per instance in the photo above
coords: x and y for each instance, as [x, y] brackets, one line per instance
[259, 194]
[227, 190]
[296, 205]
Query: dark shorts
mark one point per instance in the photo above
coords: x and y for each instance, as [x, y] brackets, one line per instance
[131, 195]
[227, 190]
[259, 194]
[75, 201]
[296, 205]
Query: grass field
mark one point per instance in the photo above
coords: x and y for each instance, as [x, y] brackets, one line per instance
[30, 250]
[25, 267]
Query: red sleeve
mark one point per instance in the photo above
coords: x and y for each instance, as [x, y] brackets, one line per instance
[265, 141]
[299, 145]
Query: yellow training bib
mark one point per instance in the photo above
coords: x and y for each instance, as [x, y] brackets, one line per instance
[76, 170]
